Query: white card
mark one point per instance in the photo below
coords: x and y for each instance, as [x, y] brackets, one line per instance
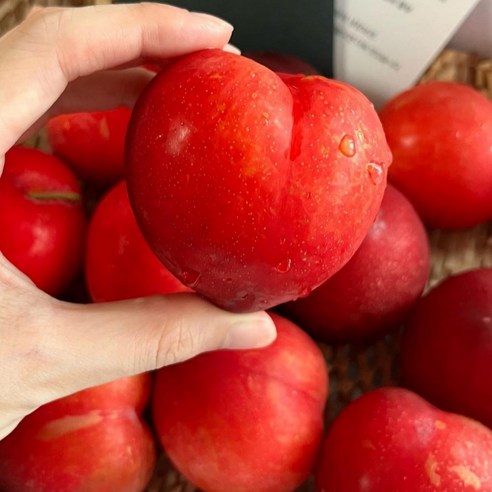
[383, 46]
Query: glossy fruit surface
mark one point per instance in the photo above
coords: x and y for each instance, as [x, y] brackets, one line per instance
[446, 350]
[391, 439]
[93, 143]
[42, 220]
[440, 134]
[94, 440]
[247, 420]
[119, 263]
[374, 291]
[251, 187]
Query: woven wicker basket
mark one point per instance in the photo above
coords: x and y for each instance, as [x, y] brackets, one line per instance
[353, 370]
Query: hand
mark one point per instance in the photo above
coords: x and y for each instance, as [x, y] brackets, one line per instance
[64, 60]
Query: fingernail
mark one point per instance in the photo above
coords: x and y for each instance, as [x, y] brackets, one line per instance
[230, 48]
[253, 331]
[213, 20]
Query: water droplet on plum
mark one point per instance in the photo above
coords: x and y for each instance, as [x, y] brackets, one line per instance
[190, 278]
[375, 172]
[347, 146]
[284, 266]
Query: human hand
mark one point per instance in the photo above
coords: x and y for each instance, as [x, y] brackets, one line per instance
[64, 60]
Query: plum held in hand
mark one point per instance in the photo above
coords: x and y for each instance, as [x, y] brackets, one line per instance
[119, 264]
[94, 440]
[253, 188]
[390, 439]
[440, 134]
[446, 353]
[373, 292]
[248, 420]
[42, 220]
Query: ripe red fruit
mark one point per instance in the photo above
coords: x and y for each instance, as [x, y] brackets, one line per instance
[374, 291]
[392, 440]
[247, 420]
[440, 134]
[41, 218]
[94, 440]
[92, 143]
[253, 188]
[119, 263]
[446, 353]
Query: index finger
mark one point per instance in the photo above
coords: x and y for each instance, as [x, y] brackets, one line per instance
[54, 46]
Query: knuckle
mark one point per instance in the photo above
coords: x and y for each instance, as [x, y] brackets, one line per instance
[39, 32]
[171, 333]
[49, 31]
[174, 338]
[175, 346]
[45, 20]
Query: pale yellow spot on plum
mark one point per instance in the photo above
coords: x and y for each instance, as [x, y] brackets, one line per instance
[368, 444]
[215, 76]
[364, 483]
[439, 424]
[104, 129]
[221, 126]
[70, 423]
[468, 477]
[431, 470]
[249, 169]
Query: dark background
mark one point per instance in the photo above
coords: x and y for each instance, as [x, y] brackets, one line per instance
[299, 27]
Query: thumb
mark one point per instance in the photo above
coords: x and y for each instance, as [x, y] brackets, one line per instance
[97, 343]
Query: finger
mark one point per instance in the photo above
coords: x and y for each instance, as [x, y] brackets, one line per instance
[164, 62]
[57, 45]
[12, 278]
[109, 89]
[19, 341]
[232, 49]
[97, 343]
[97, 92]
[104, 90]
